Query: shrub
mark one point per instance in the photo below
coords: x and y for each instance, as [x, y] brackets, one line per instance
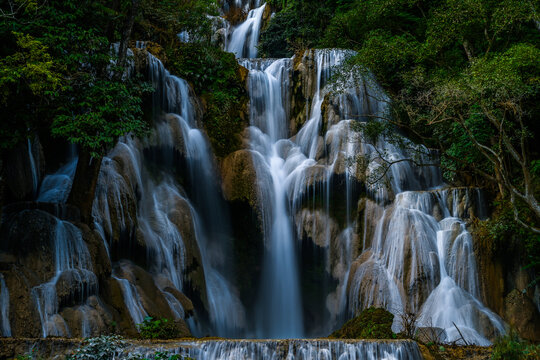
[109, 348]
[218, 79]
[372, 323]
[158, 329]
[158, 355]
[105, 347]
[511, 347]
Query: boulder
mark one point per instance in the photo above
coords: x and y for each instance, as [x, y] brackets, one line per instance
[30, 236]
[317, 226]
[240, 178]
[24, 319]
[151, 297]
[88, 320]
[73, 286]
[522, 314]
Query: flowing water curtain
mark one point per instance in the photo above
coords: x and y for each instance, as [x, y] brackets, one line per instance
[245, 37]
[73, 265]
[405, 231]
[293, 349]
[5, 327]
[160, 206]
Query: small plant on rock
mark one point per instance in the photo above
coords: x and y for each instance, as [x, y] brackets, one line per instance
[158, 329]
[511, 347]
[105, 347]
[372, 323]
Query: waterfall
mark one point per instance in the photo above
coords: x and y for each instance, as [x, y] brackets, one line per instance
[244, 38]
[73, 266]
[5, 328]
[33, 168]
[292, 169]
[420, 258]
[132, 301]
[280, 305]
[55, 187]
[293, 349]
[161, 198]
[417, 255]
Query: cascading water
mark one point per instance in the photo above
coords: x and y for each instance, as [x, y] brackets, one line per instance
[408, 250]
[293, 349]
[132, 300]
[5, 328]
[175, 131]
[280, 306]
[411, 262]
[73, 266]
[420, 257]
[55, 188]
[33, 167]
[287, 167]
[244, 38]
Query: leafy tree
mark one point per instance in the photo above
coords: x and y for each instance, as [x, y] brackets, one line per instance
[298, 26]
[65, 69]
[463, 77]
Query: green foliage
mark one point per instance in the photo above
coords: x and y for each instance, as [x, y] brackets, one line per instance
[105, 347]
[28, 78]
[58, 72]
[31, 66]
[299, 25]
[510, 347]
[30, 356]
[158, 329]
[114, 347]
[216, 77]
[110, 109]
[159, 355]
[507, 236]
[464, 78]
[58, 69]
[372, 323]
[162, 20]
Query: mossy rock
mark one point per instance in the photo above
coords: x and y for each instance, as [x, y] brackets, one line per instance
[372, 323]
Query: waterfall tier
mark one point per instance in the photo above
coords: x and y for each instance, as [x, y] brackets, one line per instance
[295, 349]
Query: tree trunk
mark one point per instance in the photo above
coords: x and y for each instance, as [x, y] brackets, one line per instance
[111, 22]
[84, 185]
[468, 50]
[126, 32]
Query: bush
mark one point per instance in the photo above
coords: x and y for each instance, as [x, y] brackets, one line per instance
[158, 329]
[159, 355]
[216, 77]
[106, 347]
[372, 323]
[112, 347]
[511, 347]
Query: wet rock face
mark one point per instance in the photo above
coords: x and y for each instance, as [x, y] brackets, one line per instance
[24, 167]
[30, 253]
[116, 199]
[151, 297]
[522, 313]
[240, 190]
[29, 235]
[240, 178]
